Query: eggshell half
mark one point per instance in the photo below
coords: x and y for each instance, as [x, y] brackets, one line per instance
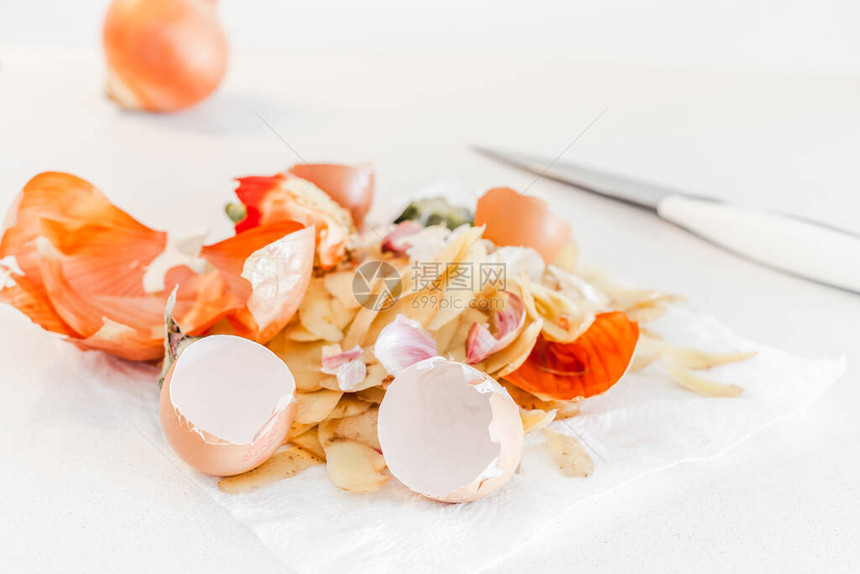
[449, 431]
[513, 218]
[227, 404]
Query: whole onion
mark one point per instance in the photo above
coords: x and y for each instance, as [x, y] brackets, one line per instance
[163, 55]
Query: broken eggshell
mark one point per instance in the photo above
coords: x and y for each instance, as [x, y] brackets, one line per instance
[226, 404]
[449, 431]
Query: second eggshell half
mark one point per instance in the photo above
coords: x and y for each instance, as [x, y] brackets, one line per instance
[449, 431]
[226, 404]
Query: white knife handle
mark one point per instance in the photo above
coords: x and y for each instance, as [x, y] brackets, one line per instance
[781, 241]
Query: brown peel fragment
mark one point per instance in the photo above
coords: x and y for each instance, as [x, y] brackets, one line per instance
[569, 454]
[298, 428]
[690, 380]
[376, 376]
[359, 428]
[348, 406]
[525, 399]
[283, 464]
[310, 442]
[351, 447]
[303, 358]
[373, 395]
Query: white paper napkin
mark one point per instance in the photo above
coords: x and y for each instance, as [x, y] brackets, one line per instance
[643, 424]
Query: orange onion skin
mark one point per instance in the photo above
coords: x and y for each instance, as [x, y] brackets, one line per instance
[163, 55]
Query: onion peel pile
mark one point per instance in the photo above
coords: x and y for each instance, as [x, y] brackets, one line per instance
[81, 261]
[333, 198]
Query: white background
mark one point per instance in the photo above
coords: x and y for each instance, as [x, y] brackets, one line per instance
[757, 102]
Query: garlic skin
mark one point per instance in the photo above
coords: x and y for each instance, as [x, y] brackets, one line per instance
[346, 366]
[507, 324]
[163, 55]
[397, 240]
[402, 343]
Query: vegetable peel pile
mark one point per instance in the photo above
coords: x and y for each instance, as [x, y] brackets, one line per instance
[424, 350]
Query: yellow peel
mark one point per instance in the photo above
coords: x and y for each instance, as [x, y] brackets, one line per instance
[690, 380]
[569, 454]
[348, 406]
[536, 419]
[298, 428]
[283, 464]
[310, 441]
[354, 466]
[565, 409]
[339, 285]
[358, 428]
[301, 335]
[373, 395]
[303, 359]
[696, 359]
[317, 315]
[315, 407]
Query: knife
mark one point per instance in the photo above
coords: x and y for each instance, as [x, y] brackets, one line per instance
[790, 244]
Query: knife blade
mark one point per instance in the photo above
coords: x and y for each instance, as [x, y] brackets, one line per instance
[790, 244]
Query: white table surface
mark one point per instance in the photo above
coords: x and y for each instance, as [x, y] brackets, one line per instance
[79, 491]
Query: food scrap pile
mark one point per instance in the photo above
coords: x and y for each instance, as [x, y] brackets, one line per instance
[424, 348]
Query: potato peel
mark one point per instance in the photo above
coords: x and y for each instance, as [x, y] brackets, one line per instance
[525, 399]
[569, 454]
[372, 395]
[690, 380]
[359, 428]
[283, 464]
[699, 360]
[348, 406]
[317, 315]
[354, 466]
[301, 335]
[339, 285]
[652, 348]
[303, 359]
[536, 419]
[298, 428]
[315, 407]
[309, 440]
[376, 375]
[565, 409]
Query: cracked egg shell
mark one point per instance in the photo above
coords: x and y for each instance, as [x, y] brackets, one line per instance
[226, 404]
[449, 431]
